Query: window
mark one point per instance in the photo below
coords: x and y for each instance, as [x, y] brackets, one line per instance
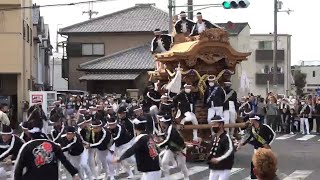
[24, 29]
[267, 45]
[28, 33]
[313, 73]
[31, 40]
[92, 49]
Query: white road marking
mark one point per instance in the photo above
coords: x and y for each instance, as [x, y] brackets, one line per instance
[235, 170]
[192, 171]
[298, 174]
[247, 178]
[306, 137]
[286, 136]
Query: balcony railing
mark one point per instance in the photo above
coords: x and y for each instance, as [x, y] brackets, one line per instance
[267, 55]
[262, 79]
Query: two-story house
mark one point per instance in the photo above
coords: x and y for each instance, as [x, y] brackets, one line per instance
[16, 52]
[113, 48]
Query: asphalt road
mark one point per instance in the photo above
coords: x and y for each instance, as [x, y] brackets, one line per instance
[298, 159]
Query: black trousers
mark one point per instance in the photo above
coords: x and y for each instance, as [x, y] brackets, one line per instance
[252, 173]
[318, 123]
[310, 124]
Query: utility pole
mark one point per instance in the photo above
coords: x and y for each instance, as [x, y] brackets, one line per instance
[277, 7]
[275, 46]
[170, 16]
[190, 9]
[90, 11]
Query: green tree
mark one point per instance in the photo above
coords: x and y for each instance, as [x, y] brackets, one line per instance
[299, 82]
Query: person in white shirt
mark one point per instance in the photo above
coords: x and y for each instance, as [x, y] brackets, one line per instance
[202, 25]
[184, 25]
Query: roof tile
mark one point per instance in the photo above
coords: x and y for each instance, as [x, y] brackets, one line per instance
[137, 58]
[140, 18]
[110, 76]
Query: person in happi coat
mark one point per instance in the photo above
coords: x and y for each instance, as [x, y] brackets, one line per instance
[161, 42]
[184, 25]
[145, 151]
[202, 25]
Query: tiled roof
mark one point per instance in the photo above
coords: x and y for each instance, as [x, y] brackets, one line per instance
[110, 76]
[137, 58]
[35, 15]
[140, 18]
[234, 29]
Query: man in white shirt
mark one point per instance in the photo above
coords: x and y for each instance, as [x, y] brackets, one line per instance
[202, 25]
[184, 25]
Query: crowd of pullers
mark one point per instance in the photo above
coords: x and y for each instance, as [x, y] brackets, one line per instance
[100, 134]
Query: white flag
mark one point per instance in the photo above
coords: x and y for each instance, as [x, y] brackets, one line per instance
[175, 84]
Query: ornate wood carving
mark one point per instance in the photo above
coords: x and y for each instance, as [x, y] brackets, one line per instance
[215, 34]
[192, 61]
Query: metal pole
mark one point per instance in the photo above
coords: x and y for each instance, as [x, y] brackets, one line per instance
[52, 72]
[170, 16]
[190, 9]
[275, 46]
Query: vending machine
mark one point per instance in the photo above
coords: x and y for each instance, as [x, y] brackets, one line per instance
[46, 98]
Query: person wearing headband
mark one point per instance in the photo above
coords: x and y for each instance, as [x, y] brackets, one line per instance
[150, 124]
[124, 120]
[161, 42]
[77, 154]
[184, 25]
[152, 99]
[202, 25]
[57, 131]
[25, 135]
[230, 106]
[214, 97]
[86, 134]
[145, 151]
[221, 158]
[175, 148]
[11, 145]
[122, 140]
[103, 145]
[165, 107]
[260, 136]
[40, 158]
[185, 103]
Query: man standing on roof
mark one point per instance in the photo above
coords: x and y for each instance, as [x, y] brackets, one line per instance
[161, 42]
[202, 25]
[184, 25]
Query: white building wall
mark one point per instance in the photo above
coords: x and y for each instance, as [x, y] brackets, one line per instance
[59, 83]
[312, 82]
[252, 66]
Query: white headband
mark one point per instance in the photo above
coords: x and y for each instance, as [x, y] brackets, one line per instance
[165, 120]
[137, 121]
[256, 118]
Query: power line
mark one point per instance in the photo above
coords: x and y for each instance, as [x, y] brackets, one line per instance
[53, 5]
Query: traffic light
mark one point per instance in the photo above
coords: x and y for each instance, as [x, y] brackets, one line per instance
[235, 4]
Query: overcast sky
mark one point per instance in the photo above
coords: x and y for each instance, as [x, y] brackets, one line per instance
[302, 24]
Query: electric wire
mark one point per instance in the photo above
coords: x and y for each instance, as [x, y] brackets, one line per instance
[53, 5]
